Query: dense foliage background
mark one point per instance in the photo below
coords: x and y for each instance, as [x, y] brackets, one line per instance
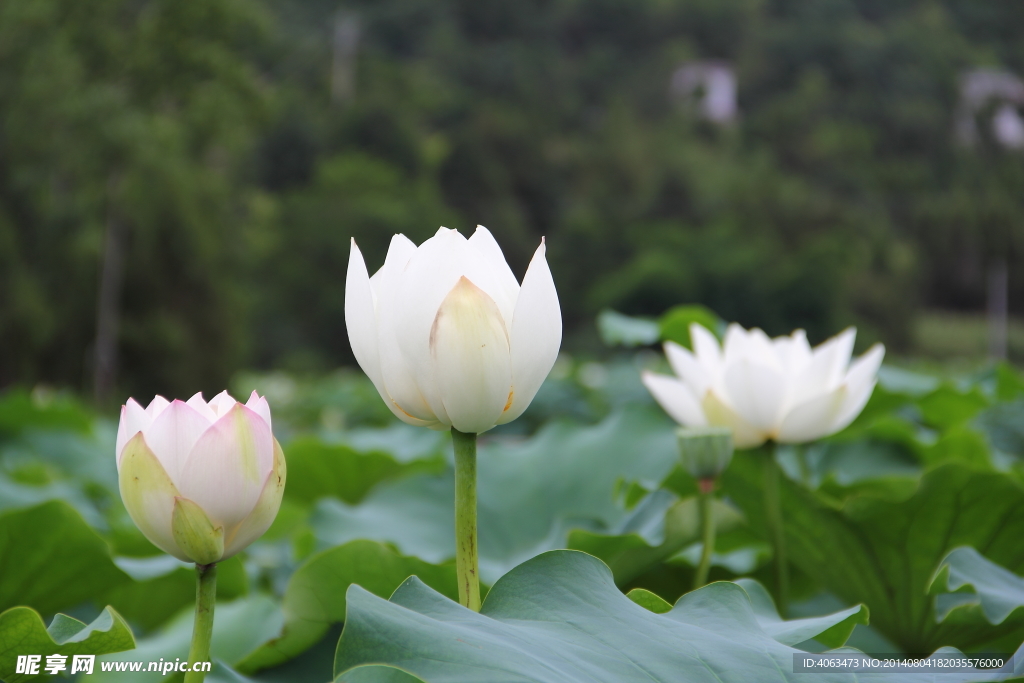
[233, 148]
[904, 527]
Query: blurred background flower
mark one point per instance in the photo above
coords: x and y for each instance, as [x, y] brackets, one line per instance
[766, 389]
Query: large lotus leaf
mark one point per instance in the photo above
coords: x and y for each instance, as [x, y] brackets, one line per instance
[560, 618]
[22, 632]
[239, 627]
[531, 493]
[947, 407]
[61, 465]
[831, 630]
[617, 329]
[315, 597]
[968, 587]
[52, 559]
[674, 324]
[86, 457]
[317, 469]
[1003, 424]
[21, 411]
[18, 494]
[883, 553]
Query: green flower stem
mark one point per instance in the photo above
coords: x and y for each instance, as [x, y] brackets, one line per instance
[773, 517]
[466, 566]
[707, 524]
[202, 630]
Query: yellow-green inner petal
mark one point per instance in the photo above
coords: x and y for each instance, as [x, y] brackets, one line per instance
[195, 534]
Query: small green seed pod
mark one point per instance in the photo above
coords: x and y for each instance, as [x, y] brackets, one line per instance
[705, 451]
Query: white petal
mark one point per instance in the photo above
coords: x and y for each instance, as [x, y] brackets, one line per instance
[400, 251]
[472, 364]
[793, 351]
[506, 288]
[536, 335]
[755, 392]
[361, 319]
[860, 382]
[222, 403]
[688, 368]
[173, 434]
[398, 387]
[133, 421]
[719, 414]
[753, 345]
[675, 398]
[258, 404]
[430, 275]
[706, 349]
[734, 346]
[227, 469]
[200, 406]
[812, 419]
[826, 369]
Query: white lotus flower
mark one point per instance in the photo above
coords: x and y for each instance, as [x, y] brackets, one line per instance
[778, 389]
[446, 333]
[201, 480]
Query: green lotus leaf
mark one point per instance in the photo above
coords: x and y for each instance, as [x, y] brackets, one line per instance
[560, 618]
[883, 553]
[315, 596]
[22, 632]
[966, 583]
[60, 560]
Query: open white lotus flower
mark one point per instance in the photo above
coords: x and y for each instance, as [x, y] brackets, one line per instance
[779, 389]
[201, 480]
[446, 333]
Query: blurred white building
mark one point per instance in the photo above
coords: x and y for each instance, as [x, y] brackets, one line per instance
[709, 87]
[981, 88]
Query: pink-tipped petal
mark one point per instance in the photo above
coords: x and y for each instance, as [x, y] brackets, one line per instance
[228, 467]
[173, 434]
[535, 336]
[222, 403]
[156, 406]
[133, 420]
[675, 398]
[200, 406]
[258, 404]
